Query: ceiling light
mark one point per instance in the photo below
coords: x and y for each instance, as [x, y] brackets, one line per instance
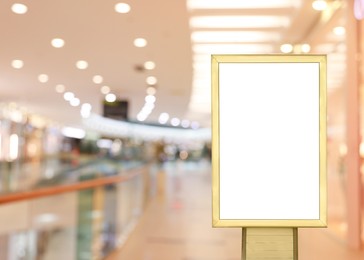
[234, 4]
[110, 97]
[185, 123]
[235, 21]
[163, 118]
[75, 102]
[149, 65]
[122, 8]
[19, 8]
[195, 125]
[151, 80]
[339, 30]
[151, 90]
[68, 96]
[150, 99]
[43, 78]
[141, 117]
[319, 5]
[97, 79]
[286, 48]
[175, 121]
[105, 90]
[60, 88]
[17, 64]
[233, 37]
[305, 48]
[81, 64]
[140, 42]
[86, 106]
[57, 43]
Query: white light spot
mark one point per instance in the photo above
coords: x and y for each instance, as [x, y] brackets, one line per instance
[175, 121]
[81, 64]
[68, 96]
[75, 102]
[319, 5]
[110, 97]
[150, 99]
[151, 80]
[149, 65]
[43, 78]
[163, 118]
[60, 88]
[97, 79]
[57, 43]
[151, 90]
[17, 64]
[286, 48]
[185, 123]
[140, 42]
[19, 8]
[122, 8]
[105, 90]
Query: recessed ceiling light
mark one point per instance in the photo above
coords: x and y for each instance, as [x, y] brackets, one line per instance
[140, 42]
[19, 8]
[81, 64]
[86, 106]
[150, 99]
[122, 8]
[43, 78]
[110, 97]
[105, 90]
[151, 80]
[151, 90]
[17, 64]
[75, 102]
[319, 5]
[60, 88]
[286, 48]
[97, 79]
[305, 48]
[195, 125]
[57, 42]
[68, 96]
[175, 121]
[185, 123]
[149, 65]
[163, 118]
[339, 30]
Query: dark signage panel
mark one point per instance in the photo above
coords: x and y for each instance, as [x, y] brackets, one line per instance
[117, 110]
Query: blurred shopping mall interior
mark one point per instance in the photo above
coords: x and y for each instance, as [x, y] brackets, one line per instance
[105, 123]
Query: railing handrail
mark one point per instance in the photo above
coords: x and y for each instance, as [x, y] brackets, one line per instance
[55, 190]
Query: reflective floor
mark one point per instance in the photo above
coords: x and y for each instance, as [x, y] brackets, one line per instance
[177, 225]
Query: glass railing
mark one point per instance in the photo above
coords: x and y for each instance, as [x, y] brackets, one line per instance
[85, 214]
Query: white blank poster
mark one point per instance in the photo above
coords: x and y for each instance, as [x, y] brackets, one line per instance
[269, 140]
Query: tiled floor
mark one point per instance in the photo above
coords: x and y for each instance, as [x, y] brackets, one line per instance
[177, 225]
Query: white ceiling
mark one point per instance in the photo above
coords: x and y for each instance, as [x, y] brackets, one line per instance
[94, 32]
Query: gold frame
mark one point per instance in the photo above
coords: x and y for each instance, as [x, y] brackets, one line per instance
[277, 58]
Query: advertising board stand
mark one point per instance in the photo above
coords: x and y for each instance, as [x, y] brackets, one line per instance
[269, 149]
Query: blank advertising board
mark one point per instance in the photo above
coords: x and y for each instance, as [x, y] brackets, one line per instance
[269, 140]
